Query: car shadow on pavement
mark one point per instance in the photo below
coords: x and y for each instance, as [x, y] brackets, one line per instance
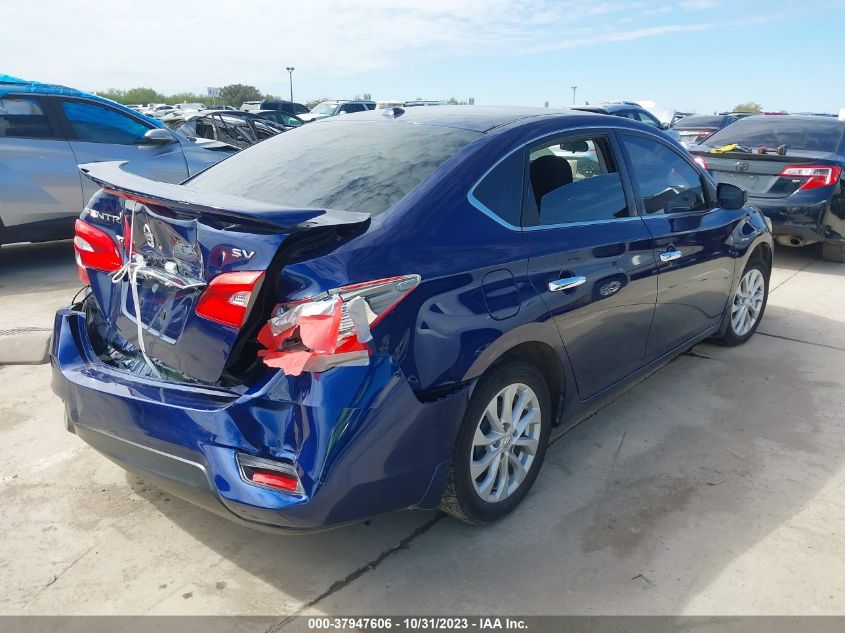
[667, 500]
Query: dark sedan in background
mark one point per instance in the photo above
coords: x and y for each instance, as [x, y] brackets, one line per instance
[791, 166]
[697, 128]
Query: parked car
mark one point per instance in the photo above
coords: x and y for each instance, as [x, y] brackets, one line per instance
[238, 129]
[791, 166]
[317, 337]
[160, 110]
[46, 130]
[629, 110]
[291, 107]
[278, 117]
[695, 129]
[326, 109]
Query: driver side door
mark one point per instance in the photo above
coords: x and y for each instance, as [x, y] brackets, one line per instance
[97, 132]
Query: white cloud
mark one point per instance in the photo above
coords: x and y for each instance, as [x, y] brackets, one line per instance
[179, 44]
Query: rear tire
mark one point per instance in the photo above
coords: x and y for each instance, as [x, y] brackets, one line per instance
[501, 443]
[748, 303]
[833, 252]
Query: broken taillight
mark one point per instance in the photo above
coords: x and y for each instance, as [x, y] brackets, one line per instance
[332, 328]
[94, 249]
[227, 298]
[815, 175]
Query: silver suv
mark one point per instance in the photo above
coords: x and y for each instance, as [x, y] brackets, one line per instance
[332, 108]
[46, 131]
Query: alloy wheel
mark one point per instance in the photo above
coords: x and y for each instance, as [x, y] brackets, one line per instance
[748, 302]
[505, 443]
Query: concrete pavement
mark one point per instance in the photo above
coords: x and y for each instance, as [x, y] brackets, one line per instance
[716, 486]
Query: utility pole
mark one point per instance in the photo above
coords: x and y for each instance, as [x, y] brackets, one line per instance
[574, 88]
[290, 70]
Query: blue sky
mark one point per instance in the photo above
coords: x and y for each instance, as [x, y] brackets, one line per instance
[700, 55]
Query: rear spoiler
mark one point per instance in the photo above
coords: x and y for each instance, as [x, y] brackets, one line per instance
[773, 158]
[182, 198]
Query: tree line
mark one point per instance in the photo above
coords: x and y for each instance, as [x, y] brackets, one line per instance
[233, 95]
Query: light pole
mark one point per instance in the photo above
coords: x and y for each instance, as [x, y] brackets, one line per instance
[290, 70]
[574, 88]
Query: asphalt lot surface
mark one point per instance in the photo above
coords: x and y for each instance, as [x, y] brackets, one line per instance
[715, 486]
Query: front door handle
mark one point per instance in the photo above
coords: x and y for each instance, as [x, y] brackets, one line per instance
[670, 255]
[566, 284]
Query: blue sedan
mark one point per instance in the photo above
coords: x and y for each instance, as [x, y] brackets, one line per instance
[392, 309]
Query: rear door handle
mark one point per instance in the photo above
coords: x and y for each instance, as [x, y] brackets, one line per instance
[670, 255]
[566, 284]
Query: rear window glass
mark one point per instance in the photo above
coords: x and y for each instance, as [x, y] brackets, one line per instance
[810, 134]
[700, 121]
[345, 165]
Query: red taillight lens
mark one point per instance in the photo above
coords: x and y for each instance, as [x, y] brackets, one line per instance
[227, 298]
[703, 134]
[815, 175]
[701, 162]
[331, 329]
[94, 249]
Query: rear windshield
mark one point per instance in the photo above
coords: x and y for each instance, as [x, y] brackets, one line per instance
[815, 134]
[365, 166]
[700, 121]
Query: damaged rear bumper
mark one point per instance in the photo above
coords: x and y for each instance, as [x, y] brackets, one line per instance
[359, 439]
[809, 219]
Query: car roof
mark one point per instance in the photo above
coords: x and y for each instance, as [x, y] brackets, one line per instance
[609, 106]
[465, 117]
[9, 84]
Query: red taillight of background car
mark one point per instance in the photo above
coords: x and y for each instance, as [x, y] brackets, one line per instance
[701, 162]
[95, 249]
[227, 298]
[814, 176]
[703, 134]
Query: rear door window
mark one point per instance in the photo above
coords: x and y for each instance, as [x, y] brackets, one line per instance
[23, 117]
[646, 118]
[667, 183]
[576, 181]
[95, 123]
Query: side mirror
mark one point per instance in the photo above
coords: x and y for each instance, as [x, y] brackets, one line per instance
[664, 126]
[158, 136]
[730, 196]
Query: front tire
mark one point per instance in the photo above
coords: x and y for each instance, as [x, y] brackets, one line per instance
[501, 443]
[748, 303]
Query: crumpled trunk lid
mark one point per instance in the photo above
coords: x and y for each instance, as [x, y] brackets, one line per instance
[186, 239]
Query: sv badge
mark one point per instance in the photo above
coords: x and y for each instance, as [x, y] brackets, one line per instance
[241, 253]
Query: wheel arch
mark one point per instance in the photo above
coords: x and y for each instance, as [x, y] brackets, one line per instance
[547, 360]
[762, 251]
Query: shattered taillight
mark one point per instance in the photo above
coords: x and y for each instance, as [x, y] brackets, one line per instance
[94, 249]
[332, 328]
[227, 298]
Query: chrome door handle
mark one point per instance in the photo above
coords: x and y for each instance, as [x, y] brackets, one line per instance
[669, 256]
[566, 284]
